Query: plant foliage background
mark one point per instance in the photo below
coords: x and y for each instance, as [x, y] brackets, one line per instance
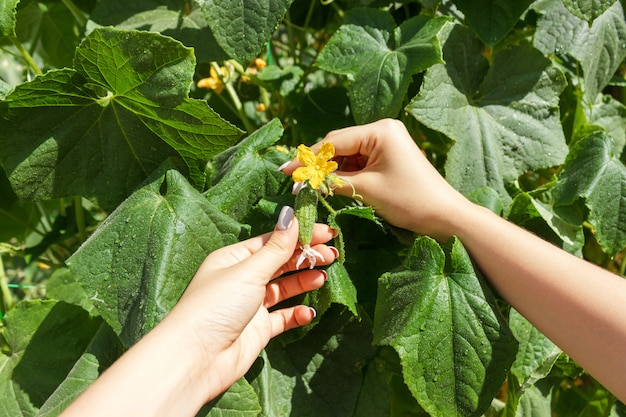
[137, 137]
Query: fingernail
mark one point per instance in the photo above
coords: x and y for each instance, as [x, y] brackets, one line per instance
[324, 273]
[313, 312]
[283, 166]
[335, 251]
[285, 218]
[297, 186]
[335, 232]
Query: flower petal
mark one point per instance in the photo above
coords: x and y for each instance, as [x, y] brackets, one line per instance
[306, 155]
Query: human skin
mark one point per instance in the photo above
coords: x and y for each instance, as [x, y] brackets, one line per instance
[216, 330]
[576, 304]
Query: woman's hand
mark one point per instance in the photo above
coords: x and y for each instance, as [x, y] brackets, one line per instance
[227, 305]
[389, 171]
[215, 332]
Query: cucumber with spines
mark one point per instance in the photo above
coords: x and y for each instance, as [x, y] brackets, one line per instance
[306, 213]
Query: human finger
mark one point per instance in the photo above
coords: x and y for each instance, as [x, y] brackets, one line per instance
[289, 318]
[282, 289]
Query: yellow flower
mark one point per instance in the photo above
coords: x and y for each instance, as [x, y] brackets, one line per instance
[214, 82]
[316, 167]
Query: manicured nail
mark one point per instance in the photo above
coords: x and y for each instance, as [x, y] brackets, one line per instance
[313, 312]
[324, 273]
[285, 218]
[297, 186]
[335, 251]
[283, 166]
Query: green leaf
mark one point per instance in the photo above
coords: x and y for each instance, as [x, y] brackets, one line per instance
[593, 172]
[504, 118]
[453, 344]
[46, 339]
[62, 286]
[611, 115]
[138, 263]
[542, 220]
[168, 17]
[241, 27]
[320, 374]
[600, 48]
[588, 10]
[339, 289]
[380, 58]
[492, 19]
[248, 171]
[534, 361]
[7, 17]
[100, 130]
[49, 30]
[103, 349]
[239, 400]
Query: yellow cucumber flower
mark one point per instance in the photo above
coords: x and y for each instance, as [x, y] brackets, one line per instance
[316, 167]
[214, 82]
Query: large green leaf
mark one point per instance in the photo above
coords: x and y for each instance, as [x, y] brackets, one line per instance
[600, 48]
[492, 19]
[454, 346]
[593, 172]
[241, 27]
[380, 58]
[169, 17]
[541, 219]
[45, 338]
[504, 118]
[534, 360]
[138, 263]
[239, 400]
[588, 10]
[103, 349]
[100, 130]
[248, 171]
[7, 17]
[320, 374]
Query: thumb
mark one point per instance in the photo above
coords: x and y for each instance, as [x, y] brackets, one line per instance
[268, 262]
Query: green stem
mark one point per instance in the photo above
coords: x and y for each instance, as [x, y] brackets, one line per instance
[235, 98]
[328, 206]
[7, 300]
[27, 57]
[80, 218]
[76, 12]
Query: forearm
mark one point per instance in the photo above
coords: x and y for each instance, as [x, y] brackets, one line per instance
[578, 305]
[159, 376]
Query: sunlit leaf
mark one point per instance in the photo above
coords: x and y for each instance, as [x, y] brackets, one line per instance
[593, 172]
[248, 171]
[600, 48]
[588, 10]
[503, 117]
[454, 346]
[138, 263]
[380, 58]
[100, 130]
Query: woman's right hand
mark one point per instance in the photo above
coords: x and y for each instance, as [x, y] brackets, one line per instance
[385, 167]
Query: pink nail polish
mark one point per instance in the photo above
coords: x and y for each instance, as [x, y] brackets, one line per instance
[285, 218]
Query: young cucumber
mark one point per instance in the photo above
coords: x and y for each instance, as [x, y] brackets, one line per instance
[306, 213]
